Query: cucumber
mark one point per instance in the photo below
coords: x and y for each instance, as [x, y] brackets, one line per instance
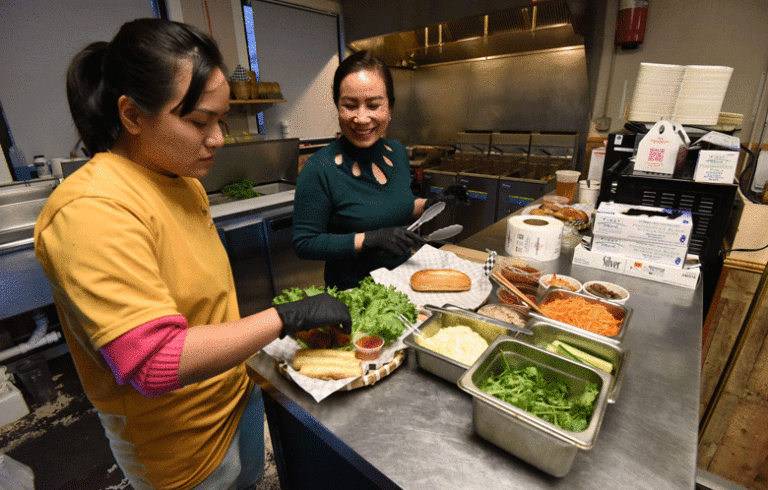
[582, 356]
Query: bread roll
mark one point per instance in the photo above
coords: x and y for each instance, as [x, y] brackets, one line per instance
[440, 280]
[540, 212]
[323, 356]
[331, 371]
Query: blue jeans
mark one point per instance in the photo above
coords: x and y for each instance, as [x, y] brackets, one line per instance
[243, 464]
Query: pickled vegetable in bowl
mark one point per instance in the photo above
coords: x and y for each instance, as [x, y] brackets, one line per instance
[559, 281]
[607, 291]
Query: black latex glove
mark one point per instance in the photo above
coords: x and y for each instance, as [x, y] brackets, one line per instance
[321, 310]
[395, 240]
[452, 193]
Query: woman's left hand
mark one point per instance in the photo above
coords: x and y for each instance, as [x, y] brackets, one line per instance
[395, 240]
[454, 192]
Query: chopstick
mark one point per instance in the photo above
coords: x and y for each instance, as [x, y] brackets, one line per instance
[511, 287]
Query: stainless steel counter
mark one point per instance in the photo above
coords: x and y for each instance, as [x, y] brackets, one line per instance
[413, 430]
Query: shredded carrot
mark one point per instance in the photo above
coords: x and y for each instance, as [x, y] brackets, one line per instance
[583, 314]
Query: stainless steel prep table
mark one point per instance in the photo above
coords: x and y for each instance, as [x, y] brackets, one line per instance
[412, 430]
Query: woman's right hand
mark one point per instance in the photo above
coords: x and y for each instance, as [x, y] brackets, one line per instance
[395, 240]
[316, 311]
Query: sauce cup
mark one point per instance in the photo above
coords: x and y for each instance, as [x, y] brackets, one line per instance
[368, 347]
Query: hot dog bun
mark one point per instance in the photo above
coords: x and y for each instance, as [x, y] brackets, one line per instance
[327, 363]
[440, 280]
[331, 371]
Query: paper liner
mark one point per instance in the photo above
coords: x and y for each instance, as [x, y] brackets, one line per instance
[429, 257]
[368, 379]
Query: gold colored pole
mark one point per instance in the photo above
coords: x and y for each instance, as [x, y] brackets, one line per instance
[730, 363]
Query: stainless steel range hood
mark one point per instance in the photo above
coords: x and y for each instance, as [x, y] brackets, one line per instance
[526, 29]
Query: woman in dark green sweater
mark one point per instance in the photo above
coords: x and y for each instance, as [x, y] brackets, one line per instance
[353, 197]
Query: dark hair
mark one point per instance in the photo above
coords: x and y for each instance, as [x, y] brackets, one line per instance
[363, 60]
[141, 62]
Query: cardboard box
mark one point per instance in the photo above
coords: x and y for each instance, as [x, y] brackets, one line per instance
[671, 255]
[718, 158]
[663, 149]
[12, 405]
[619, 264]
[716, 166]
[643, 223]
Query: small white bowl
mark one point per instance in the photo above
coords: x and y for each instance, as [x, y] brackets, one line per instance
[545, 280]
[610, 286]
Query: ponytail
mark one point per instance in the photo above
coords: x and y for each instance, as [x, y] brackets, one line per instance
[92, 105]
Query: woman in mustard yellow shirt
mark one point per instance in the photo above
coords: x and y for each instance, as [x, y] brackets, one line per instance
[141, 281]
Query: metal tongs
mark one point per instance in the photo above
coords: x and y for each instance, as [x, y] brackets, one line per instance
[427, 215]
[477, 316]
[411, 327]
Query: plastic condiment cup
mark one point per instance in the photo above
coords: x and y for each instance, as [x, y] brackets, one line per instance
[622, 292]
[567, 180]
[546, 281]
[521, 272]
[509, 298]
[589, 191]
[368, 347]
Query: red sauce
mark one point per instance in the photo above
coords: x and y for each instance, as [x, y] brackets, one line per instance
[369, 342]
[512, 299]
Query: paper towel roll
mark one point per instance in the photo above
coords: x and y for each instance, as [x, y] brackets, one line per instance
[535, 237]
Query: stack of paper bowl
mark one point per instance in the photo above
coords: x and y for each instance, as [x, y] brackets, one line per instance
[655, 91]
[728, 121]
[701, 94]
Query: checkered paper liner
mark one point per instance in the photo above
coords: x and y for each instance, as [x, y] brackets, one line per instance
[429, 257]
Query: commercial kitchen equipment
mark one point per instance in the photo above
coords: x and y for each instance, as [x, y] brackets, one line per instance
[503, 172]
[257, 232]
[22, 280]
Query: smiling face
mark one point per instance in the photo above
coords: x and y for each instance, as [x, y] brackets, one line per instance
[364, 109]
[184, 145]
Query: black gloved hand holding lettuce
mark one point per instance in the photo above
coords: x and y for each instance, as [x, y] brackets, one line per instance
[321, 310]
[372, 306]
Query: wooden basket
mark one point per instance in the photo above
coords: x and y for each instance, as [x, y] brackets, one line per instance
[369, 379]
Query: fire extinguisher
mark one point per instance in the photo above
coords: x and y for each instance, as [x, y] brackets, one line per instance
[630, 23]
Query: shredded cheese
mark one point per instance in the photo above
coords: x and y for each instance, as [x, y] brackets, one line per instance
[460, 343]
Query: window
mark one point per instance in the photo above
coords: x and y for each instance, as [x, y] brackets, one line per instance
[298, 48]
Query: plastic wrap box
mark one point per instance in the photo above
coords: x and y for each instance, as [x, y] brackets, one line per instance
[687, 277]
[644, 223]
[671, 255]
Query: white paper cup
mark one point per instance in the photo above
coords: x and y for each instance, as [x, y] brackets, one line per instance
[589, 190]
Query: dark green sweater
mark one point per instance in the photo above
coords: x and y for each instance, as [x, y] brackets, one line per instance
[331, 205]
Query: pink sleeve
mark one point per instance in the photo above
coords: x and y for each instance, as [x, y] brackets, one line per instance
[148, 356]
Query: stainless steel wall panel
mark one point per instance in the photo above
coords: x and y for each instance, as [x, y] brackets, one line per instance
[260, 161]
[534, 92]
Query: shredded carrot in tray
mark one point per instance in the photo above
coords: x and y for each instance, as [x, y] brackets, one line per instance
[583, 314]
